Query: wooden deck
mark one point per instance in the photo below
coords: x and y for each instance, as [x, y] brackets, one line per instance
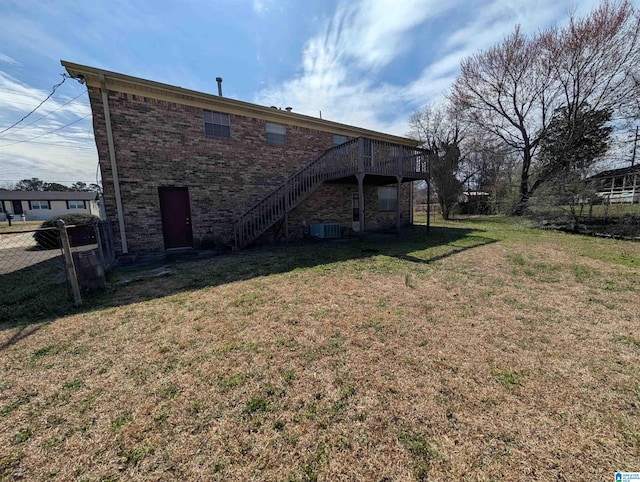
[383, 162]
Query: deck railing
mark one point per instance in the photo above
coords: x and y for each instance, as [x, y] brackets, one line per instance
[358, 155]
[629, 195]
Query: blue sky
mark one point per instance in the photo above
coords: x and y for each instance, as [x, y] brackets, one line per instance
[368, 63]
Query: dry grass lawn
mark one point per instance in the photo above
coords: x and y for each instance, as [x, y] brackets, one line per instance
[484, 351]
[17, 226]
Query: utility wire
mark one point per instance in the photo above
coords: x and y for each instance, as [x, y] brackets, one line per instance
[57, 144]
[47, 133]
[53, 91]
[47, 115]
[61, 182]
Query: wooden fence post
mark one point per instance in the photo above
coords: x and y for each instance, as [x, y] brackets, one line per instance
[68, 261]
[101, 256]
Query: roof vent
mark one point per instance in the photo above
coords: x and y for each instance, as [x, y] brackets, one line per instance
[219, 81]
[288, 109]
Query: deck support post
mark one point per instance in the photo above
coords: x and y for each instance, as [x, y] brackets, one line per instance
[360, 154]
[398, 185]
[613, 183]
[360, 177]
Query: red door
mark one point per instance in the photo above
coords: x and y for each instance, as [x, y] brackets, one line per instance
[176, 217]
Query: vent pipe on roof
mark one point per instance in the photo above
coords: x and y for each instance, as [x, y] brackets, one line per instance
[219, 81]
[288, 109]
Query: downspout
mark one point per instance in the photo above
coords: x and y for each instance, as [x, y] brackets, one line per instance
[114, 167]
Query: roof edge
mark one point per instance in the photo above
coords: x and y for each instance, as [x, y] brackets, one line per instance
[121, 82]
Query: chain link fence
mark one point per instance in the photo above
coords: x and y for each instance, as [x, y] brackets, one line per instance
[44, 271]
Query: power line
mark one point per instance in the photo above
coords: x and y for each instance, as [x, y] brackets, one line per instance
[53, 91]
[47, 133]
[71, 146]
[54, 110]
[72, 181]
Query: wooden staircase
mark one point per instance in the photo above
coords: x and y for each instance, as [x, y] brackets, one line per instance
[357, 156]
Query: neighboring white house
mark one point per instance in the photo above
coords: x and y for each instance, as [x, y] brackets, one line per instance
[43, 205]
[618, 185]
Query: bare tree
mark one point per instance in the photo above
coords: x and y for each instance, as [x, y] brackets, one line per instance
[595, 60]
[507, 92]
[513, 89]
[490, 166]
[437, 127]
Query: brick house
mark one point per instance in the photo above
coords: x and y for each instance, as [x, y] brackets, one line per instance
[185, 169]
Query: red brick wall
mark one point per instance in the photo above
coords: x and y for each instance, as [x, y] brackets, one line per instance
[159, 143]
[334, 203]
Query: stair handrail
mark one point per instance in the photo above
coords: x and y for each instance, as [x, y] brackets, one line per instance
[299, 171]
[313, 173]
[342, 160]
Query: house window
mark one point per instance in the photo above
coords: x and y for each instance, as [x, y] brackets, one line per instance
[387, 198]
[338, 139]
[276, 134]
[39, 205]
[76, 205]
[217, 124]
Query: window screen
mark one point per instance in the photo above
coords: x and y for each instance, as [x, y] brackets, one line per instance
[276, 134]
[387, 198]
[217, 124]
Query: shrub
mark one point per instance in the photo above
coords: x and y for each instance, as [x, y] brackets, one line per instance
[83, 234]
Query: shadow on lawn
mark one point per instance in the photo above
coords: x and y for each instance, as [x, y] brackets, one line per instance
[414, 244]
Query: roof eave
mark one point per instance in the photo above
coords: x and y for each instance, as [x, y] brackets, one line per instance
[129, 84]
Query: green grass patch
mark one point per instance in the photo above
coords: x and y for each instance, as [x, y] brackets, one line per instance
[131, 457]
[21, 437]
[255, 405]
[73, 385]
[120, 421]
[627, 340]
[44, 351]
[508, 378]
[230, 382]
[423, 451]
[34, 293]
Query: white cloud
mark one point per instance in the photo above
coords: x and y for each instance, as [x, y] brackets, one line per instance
[260, 6]
[370, 33]
[340, 65]
[8, 60]
[32, 146]
[18, 96]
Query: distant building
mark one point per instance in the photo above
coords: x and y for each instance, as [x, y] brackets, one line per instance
[43, 205]
[618, 185]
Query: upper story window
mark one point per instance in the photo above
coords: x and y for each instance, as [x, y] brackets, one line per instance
[76, 205]
[276, 134]
[387, 198]
[338, 139]
[39, 205]
[217, 124]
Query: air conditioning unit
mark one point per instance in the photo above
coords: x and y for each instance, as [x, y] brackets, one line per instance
[324, 230]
